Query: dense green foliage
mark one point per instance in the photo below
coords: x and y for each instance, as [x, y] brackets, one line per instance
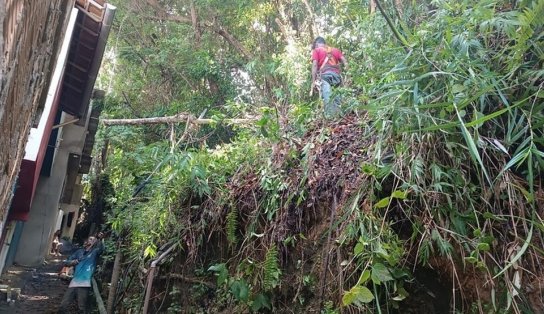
[437, 163]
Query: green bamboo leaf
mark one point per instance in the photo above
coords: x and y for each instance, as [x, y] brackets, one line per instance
[515, 160]
[487, 117]
[520, 252]
[537, 152]
[445, 126]
[150, 251]
[472, 146]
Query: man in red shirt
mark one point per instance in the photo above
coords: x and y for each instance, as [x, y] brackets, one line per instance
[326, 71]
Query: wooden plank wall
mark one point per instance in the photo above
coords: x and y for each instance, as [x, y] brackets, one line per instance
[32, 33]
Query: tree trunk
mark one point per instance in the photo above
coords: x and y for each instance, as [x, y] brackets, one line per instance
[313, 28]
[196, 26]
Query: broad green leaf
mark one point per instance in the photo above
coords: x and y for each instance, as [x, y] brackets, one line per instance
[384, 202]
[260, 301]
[380, 273]
[483, 247]
[364, 277]
[240, 290]
[221, 272]
[357, 295]
[359, 247]
[399, 194]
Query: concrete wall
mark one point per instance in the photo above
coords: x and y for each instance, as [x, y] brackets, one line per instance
[10, 230]
[68, 231]
[37, 231]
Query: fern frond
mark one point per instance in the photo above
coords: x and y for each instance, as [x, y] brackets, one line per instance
[232, 226]
[272, 272]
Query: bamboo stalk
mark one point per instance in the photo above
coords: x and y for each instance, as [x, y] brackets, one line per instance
[396, 32]
[179, 118]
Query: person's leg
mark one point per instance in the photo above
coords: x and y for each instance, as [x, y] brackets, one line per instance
[67, 299]
[332, 108]
[59, 247]
[82, 295]
[326, 91]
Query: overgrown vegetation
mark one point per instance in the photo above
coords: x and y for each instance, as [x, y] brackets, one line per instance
[425, 196]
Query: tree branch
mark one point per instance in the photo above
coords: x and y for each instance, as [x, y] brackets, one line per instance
[233, 41]
[163, 15]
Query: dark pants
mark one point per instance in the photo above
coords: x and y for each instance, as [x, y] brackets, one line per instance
[81, 292]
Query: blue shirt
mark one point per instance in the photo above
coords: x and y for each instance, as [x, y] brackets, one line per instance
[83, 271]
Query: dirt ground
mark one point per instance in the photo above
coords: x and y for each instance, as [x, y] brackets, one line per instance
[41, 288]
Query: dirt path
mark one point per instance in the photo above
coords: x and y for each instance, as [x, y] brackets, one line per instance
[41, 288]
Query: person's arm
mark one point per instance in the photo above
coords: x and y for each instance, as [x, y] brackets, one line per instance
[314, 76]
[72, 259]
[346, 79]
[99, 248]
[100, 243]
[344, 62]
[314, 70]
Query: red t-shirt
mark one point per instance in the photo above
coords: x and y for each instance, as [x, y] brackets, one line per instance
[320, 54]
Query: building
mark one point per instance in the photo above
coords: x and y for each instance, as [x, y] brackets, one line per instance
[47, 191]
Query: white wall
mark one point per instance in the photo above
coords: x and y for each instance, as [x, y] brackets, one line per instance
[37, 231]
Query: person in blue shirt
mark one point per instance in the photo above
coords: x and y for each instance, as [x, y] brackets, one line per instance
[84, 261]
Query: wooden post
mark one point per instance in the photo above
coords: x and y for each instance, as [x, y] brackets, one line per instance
[99, 301]
[114, 278]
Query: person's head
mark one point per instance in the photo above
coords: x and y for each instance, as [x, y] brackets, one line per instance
[319, 42]
[89, 243]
